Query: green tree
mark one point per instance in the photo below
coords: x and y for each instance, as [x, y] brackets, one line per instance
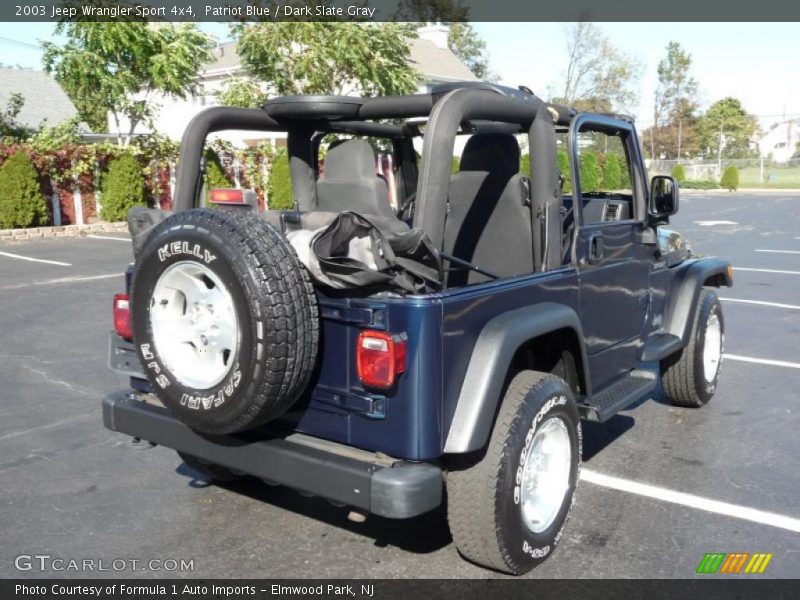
[328, 58]
[726, 130]
[674, 105]
[89, 103]
[730, 179]
[468, 46]
[562, 160]
[21, 201]
[679, 173]
[8, 116]
[123, 188]
[280, 195]
[590, 171]
[598, 77]
[122, 65]
[612, 173]
[242, 92]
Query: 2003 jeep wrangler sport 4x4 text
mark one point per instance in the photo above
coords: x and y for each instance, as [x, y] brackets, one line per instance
[393, 336]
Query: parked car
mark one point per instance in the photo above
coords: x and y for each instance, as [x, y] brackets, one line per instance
[376, 355]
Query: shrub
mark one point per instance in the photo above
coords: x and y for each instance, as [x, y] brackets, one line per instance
[612, 173]
[730, 179]
[679, 173]
[525, 165]
[563, 165]
[279, 195]
[699, 184]
[216, 177]
[21, 201]
[590, 171]
[123, 188]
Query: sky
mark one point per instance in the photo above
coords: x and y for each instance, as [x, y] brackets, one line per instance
[749, 61]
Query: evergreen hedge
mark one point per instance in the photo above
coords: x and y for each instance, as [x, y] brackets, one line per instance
[730, 179]
[563, 165]
[590, 171]
[21, 201]
[679, 173]
[123, 188]
[280, 183]
[215, 177]
[612, 173]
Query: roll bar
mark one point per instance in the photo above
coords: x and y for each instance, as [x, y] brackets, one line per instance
[219, 118]
[463, 104]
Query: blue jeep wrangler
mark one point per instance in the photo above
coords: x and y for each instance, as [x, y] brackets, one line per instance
[438, 328]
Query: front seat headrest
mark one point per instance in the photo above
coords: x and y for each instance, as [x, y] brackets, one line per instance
[496, 153]
[350, 160]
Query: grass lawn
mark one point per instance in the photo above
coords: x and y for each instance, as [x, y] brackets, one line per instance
[774, 177]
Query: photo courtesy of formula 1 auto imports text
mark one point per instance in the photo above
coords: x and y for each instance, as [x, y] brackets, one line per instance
[383, 299]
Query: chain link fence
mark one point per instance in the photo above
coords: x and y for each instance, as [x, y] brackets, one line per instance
[753, 172]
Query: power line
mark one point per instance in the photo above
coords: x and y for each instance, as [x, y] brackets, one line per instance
[20, 43]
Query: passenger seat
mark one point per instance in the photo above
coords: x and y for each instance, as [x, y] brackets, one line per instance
[489, 218]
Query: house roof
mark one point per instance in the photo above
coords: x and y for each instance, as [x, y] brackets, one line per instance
[438, 63]
[45, 101]
[225, 58]
[435, 63]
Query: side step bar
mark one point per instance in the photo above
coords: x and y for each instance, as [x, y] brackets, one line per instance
[393, 489]
[620, 394]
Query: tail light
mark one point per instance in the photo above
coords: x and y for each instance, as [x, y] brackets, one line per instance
[226, 196]
[122, 316]
[380, 358]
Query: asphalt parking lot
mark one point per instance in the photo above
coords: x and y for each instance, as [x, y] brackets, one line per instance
[661, 486]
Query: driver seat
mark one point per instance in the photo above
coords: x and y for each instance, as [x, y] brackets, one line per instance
[489, 215]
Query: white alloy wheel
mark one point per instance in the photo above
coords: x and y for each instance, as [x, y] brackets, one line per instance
[545, 476]
[194, 324]
[712, 348]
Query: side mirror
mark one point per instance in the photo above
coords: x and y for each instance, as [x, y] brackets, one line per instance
[664, 196]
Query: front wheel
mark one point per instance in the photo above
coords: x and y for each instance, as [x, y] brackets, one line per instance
[690, 375]
[508, 509]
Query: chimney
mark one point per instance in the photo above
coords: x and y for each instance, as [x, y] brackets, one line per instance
[434, 32]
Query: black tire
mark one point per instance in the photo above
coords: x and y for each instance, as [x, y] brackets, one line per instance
[275, 307]
[483, 509]
[211, 471]
[682, 373]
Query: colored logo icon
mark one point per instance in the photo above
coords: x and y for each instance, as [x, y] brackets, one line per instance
[736, 563]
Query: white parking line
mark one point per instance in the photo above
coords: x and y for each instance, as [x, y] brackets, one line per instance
[762, 361]
[41, 260]
[766, 271]
[778, 251]
[715, 506]
[713, 223]
[108, 237]
[17, 286]
[762, 303]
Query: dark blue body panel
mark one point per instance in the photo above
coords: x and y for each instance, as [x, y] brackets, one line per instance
[442, 330]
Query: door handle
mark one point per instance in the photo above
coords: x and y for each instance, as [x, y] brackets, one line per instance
[596, 247]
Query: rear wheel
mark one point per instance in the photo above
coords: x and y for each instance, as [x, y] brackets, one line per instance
[224, 319]
[690, 375]
[507, 509]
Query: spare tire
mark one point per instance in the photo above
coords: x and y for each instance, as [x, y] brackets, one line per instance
[225, 319]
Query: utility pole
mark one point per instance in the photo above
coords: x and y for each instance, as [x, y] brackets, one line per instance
[719, 151]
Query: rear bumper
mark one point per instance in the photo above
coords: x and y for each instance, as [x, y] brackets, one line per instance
[393, 489]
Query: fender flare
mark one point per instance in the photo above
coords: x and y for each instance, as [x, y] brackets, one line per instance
[491, 357]
[690, 277]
